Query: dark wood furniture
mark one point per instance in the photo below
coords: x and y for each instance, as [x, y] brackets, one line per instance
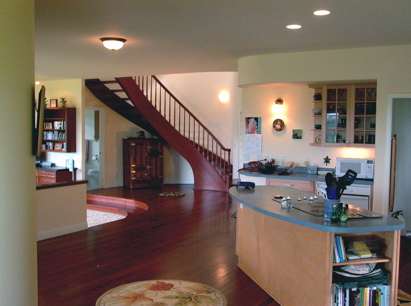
[53, 175]
[59, 130]
[142, 163]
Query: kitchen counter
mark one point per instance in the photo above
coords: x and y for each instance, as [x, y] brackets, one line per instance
[289, 253]
[261, 199]
[298, 176]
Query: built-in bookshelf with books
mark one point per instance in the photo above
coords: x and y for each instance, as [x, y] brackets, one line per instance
[59, 130]
[363, 269]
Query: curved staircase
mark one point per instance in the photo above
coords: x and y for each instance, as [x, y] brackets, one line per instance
[146, 102]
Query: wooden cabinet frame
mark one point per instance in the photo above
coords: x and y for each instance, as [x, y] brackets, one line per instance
[143, 163]
[358, 129]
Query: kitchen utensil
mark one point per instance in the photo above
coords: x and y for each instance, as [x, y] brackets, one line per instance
[347, 179]
[322, 192]
[331, 193]
[329, 179]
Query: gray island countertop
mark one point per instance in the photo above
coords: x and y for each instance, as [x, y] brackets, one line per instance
[300, 177]
[262, 199]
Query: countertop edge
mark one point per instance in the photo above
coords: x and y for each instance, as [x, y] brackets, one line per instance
[391, 223]
[300, 177]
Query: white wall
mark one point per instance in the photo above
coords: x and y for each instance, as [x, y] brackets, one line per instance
[297, 114]
[18, 255]
[61, 210]
[199, 93]
[389, 66]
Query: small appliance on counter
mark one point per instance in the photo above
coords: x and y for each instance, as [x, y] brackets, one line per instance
[364, 167]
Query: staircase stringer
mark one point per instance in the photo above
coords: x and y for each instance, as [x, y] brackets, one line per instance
[205, 175]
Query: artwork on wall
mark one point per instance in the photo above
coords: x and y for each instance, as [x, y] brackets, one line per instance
[252, 141]
[297, 134]
[253, 125]
[278, 124]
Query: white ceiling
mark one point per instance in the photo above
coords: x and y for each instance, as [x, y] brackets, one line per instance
[180, 36]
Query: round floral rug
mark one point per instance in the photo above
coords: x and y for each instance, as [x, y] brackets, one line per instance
[162, 293]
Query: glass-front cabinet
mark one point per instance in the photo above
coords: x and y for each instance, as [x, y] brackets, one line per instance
[345, 115]
[336, 115]
[365, 110]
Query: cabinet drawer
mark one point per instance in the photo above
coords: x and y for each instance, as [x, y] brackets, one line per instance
[46, 173]
[307, 186]
[45, 181]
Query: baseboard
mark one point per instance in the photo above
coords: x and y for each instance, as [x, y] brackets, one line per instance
[62, 231]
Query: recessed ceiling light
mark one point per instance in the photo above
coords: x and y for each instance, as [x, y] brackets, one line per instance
[293, 26]
[322, 12]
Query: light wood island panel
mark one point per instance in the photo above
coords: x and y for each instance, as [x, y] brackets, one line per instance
[290, 262]
[289, 253]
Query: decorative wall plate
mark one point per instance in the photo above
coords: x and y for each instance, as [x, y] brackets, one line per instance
[278, 124]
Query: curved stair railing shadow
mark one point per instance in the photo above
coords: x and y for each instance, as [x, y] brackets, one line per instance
[146, 102]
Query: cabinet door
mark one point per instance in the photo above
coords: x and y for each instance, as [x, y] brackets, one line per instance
[154, 160]
[138, 161]
[307, 186]
[336, 115]
[365, 110]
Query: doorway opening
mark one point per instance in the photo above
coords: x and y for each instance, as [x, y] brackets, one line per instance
[401, 110]
[94, 147]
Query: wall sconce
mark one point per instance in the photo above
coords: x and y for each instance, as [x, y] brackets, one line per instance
[224, 96]
[278, 106]
[113, 43]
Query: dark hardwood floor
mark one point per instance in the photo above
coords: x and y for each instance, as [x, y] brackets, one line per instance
[190, 238]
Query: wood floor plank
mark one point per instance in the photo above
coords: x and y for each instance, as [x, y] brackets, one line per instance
[190, 238]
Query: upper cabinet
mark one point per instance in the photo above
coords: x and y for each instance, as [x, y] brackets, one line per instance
[344, 115]
[59, 130]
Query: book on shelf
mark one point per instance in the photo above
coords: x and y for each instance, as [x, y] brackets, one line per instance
[361, 249]
[378, 295]
[339, 250]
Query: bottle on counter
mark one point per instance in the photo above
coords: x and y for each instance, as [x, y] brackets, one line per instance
[335, 214]
[344, 213]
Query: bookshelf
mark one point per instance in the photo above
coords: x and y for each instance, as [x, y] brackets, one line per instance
[387, 249]
[59, 130]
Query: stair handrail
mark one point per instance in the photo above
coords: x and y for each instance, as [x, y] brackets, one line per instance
[145, 84]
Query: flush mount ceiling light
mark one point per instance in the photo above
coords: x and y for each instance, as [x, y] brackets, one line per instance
[321, 12]
[293, 26]
[113, 43]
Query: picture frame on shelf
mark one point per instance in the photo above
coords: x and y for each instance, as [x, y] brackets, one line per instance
[48, 125]
[58, 125]
[54, 103]
[58, 146]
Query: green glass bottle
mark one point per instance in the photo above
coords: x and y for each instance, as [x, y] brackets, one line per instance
[334, 214]
[344, 213]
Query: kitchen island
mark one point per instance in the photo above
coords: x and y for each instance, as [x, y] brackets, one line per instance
[289, 252]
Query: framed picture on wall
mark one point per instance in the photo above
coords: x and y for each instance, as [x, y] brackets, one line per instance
[297, 134]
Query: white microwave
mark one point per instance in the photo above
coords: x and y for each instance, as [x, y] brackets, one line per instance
[363, 166]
